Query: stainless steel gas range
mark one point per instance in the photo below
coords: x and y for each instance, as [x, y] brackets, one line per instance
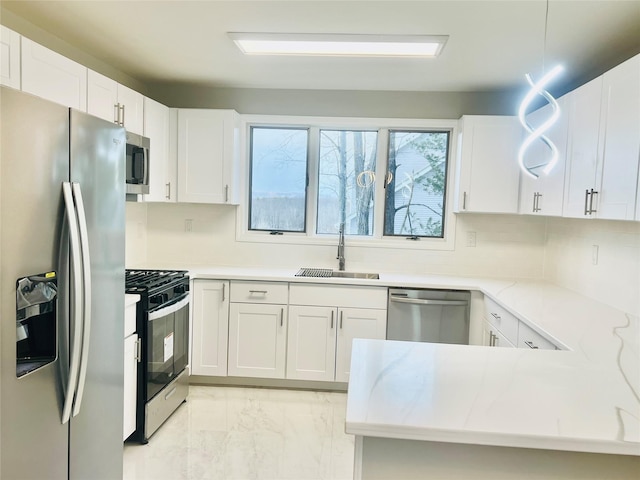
[162, 323]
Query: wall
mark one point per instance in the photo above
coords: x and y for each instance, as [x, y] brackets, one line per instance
[506, 245]
[568, 262]
[136, 234]
[52, 42]
[338, 103]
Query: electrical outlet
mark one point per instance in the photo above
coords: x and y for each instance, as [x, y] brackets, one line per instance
[188, 225]
[471, 239]
[594, 254]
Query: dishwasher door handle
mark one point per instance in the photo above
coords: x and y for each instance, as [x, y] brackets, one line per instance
[419, 301]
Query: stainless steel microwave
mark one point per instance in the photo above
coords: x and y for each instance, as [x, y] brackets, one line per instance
[137, 169]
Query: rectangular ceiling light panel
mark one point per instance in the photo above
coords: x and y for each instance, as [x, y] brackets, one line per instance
[339, 45]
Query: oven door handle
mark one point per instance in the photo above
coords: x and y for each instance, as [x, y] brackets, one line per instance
[169, 309]
[419, 301]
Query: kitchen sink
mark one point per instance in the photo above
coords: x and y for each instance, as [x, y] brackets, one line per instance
[370, 276]
[327, 272]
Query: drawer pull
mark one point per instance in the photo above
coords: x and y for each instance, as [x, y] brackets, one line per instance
[496, 316]
[341, 313]
[258, 292]
[173, 390]
[281, 317]
[332, 319]
[530, 345]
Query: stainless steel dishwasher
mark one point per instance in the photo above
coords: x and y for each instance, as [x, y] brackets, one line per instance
[436, 316]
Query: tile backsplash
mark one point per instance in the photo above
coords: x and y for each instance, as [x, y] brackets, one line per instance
[597, 258]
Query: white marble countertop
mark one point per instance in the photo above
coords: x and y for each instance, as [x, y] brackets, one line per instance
[584, 398]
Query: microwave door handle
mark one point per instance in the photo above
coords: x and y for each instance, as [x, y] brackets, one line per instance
[76, 306]
[137, 165]
[86, 295]
[174, 307]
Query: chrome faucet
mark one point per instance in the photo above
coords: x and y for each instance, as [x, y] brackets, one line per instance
[340, 256]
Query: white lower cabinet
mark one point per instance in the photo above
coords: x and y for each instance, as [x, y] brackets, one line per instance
[130, 384]
[311, 343]
[528, 338]
[210, 327]
[356, 323]
[131, 360]
[257, 340]
[321, 333]
[502, 329]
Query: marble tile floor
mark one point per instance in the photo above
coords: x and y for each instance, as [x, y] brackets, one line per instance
[231, 433]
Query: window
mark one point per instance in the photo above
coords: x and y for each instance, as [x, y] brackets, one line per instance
[278, 179]
[346, 181]
[416, 183]
[384, 179]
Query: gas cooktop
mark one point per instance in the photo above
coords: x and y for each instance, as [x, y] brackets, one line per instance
[139, 281]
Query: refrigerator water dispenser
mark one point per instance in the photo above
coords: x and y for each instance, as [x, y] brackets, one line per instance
[36, 322]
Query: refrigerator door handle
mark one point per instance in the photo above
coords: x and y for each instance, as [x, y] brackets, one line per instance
[86, 294]
[76, 307]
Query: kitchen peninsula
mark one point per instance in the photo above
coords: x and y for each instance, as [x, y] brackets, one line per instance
[419, 409]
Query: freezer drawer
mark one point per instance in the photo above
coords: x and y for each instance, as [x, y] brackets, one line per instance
[436, 316]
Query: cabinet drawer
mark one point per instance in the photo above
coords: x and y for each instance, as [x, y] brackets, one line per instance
[338, 296]
[529, 338]
[259, 292]
[505, 322]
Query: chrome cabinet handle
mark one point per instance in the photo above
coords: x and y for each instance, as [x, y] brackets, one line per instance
[116, 113]
[226, 193]
[536, 202]
[341, 314]
[223, 291]
[591, 209]
[281, 317]
[530, 345]
[332, 318]
[139, 350]
[496, 316]
[464, 200]
[167, 194]
[122, 118]
[586, 202]
[261, 292]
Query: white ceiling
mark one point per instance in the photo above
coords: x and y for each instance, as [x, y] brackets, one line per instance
[491, 43]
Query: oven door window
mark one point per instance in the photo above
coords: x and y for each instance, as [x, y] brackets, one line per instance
[167, 348]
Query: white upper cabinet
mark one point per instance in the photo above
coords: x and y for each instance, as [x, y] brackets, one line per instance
[49, 75]
[604, 138]
[9, 58]
[162, 171]
[544, 195]
[619, 141]
[207, 156]
[116, 103]
[488, 172]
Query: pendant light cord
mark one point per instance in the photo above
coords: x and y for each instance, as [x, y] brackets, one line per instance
[544, 44]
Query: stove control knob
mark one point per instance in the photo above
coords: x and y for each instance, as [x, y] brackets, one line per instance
[156, 299]
[179, 289]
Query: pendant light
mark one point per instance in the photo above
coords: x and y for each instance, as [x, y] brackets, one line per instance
[538, 133]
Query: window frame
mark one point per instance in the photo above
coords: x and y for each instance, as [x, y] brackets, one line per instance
[446, 184]
[250, 179]
[314, 125]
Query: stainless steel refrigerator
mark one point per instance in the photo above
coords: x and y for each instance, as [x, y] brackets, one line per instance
[62, 218]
